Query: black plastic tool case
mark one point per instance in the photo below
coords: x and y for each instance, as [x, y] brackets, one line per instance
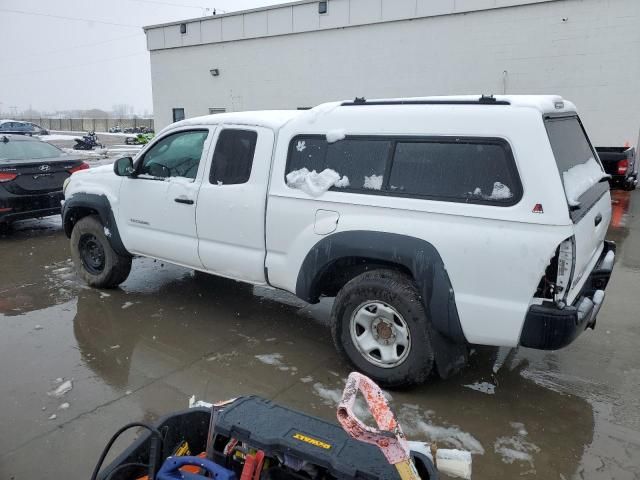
[277, 430]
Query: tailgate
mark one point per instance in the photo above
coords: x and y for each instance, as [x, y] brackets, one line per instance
[587, 191]
[590, 230]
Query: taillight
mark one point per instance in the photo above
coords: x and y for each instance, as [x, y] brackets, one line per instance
[566, 264]
[77, 168]
[623, 165]
[7, 177]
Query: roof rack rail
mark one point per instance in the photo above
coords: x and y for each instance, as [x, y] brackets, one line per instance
[483, 100]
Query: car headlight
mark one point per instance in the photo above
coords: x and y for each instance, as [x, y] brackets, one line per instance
[65, 184]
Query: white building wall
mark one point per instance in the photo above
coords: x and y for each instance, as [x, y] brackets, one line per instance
[585, 50]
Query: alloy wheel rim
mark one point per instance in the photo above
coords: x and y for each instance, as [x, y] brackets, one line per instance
[380, 334]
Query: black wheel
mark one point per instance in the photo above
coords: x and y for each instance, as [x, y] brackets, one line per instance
[96, 262]
[380, 326]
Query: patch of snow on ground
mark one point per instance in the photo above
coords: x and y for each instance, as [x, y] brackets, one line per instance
[301, 146]
[334, 136]
[63, 406]
[418, 424]
[275, 359]
[62, 389]
[374, 182]
[516, 448]
[580, 178]
[314, 183]
[127, 305]
[56, 137]
[484, 387]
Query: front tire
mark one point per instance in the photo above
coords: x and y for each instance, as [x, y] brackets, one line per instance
[380, 326]
[95, 261]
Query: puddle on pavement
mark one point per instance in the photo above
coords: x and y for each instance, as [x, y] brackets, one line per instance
[168, 333]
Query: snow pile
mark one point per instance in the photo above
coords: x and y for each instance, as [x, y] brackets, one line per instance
[516, 448]
[500, 192]
[62, 389]
[314, 183]
[374, 182]
[580, 178]
[55, 137]
[334, 136]
[483, 387]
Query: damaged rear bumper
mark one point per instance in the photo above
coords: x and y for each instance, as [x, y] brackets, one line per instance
[549, 327]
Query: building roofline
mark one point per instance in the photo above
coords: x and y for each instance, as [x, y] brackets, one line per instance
[229, 14]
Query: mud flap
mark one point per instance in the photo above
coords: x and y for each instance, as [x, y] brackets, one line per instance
[450, 357]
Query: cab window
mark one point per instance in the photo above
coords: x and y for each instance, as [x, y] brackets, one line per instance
[177, 155]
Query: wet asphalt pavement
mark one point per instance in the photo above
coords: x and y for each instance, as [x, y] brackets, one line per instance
[142, 350]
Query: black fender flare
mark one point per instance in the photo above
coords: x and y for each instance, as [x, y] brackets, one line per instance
[77, 207]
[418, 256]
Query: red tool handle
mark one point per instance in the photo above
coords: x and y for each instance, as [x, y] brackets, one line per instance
[388, 436]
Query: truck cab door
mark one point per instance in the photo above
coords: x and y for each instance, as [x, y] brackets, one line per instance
[158, 204]
[230, 213]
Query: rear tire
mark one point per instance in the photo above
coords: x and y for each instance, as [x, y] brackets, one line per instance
[95, 261]
[380, 326]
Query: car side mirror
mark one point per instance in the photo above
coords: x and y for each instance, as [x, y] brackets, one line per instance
[123, 167]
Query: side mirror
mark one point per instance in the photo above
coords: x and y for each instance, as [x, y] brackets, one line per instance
[123, 167]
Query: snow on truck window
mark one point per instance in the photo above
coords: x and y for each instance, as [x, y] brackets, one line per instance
[337, 164]
[578, 168]
[475, 171]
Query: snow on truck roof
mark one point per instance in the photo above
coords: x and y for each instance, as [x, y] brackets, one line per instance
[276, 119]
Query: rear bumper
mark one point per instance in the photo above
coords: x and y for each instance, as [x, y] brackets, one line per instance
[549, 327]
[21, 207]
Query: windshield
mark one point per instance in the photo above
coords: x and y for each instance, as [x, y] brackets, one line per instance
[574, 156]
[28, 150]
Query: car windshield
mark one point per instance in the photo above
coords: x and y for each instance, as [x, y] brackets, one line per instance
[28, 150]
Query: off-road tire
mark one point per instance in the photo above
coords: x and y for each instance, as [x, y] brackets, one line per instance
[116, 267]
[398, 291]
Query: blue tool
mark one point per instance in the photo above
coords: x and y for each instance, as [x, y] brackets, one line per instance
[171, 469]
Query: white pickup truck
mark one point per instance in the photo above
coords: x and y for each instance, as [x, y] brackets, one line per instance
[435, 222]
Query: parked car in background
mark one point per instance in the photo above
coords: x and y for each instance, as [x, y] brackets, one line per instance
[32, 173]
[16, 127]
[38, 130]
[622, 164]
[435, 223]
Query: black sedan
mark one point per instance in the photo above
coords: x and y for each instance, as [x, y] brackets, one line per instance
[32, 173]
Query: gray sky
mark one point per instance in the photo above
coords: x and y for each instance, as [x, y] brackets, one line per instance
[50, 62]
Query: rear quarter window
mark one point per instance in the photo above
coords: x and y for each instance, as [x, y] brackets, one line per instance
[469, 170]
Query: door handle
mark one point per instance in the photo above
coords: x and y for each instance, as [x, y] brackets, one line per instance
[186, 201]
[598, 219]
